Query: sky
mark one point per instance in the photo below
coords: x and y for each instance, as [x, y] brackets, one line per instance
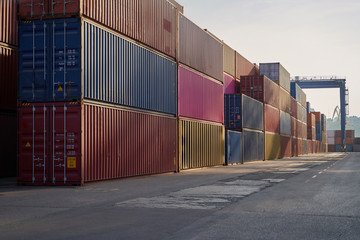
[309, 38]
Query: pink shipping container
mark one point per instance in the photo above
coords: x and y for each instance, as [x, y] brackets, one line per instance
[72, 143]
[285, 102]
[199, 50]
[152, 22]
[271, 119]
[244, 67]
[199, 97]
[285, 146]
[8, 78]
[230, 84]
[293, 107]
[8, 23]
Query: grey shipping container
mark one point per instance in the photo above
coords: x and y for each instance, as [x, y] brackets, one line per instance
[304, 114]
[305, 147]
[254, 145]
[199, 50]
[252, 113]
[277, 73]
[233, 147]
[70, 59]
[285, 123]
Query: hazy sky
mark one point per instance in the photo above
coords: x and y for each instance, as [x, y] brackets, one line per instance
[309, 38]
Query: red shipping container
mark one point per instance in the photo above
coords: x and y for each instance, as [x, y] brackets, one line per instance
[311, 119]
[317, 146]
[285, 146]
[300, 146]
[8, 22]
[271, 119]
[72, 143]
[294, 147]
[294, 127]
[284, 100]
[311, 133]
[152, 22]
[338, 140]
[310, 146]
[199, 97]
[244, 67]
[293, 107]
[230, 84]
[8, 78]
[260, 88]
[317, 116]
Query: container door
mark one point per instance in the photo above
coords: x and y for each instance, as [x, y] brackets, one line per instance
[32, 8]
[64, 7]
[34, 61]
[65, 142]
[66, 59]
[33, 144]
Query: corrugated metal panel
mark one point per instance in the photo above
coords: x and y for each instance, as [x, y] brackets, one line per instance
[305, 147]
[318, 131]
[293, 107]
[285, 146]
[177, 5]
[277, 73]
[294, 147]
[100, 66]
[199, 96]
[311, 133]
[317, 116]
[152, 22]
[294, 127]
[296, 92]
[272, 146]
[285, 100]
[304, 115]
[310, 146]
[311, 119]
[8, 78]
[233, 147]
[199, 50]
[271, 119]
[8, 23]
[300, 146]
[252, 113]
[244, 67]
[93, 142]
[260, 88]
[253, 145]
[201, 144]
[299, 112]
[231, 85]
[303, 99]
[8, 144]
[233, 111]
[285, 123]
[229, 60]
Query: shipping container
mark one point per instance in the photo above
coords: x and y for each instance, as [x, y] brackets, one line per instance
[260, 88]
[294, 147]
[349, 148]
[317, 116]
[305, 147]
[285, 146]
[294, 127]
[303, 99]
[300, 147]
[8, 144]
[308, 107]
[356, 140]
[299, 112]
[229, 60]
[304, 114]
[151, 22]
[8, 78]
[311, 133]
[233, 147]
[71, 59]
[244, 67]
[272, 146]
[293, 107]
[65, 143]
[296, 92]
[199, 97]
[318, 130]
[199, 50]
[331, 133]
[201, 144]
[331, 148]
[241, 111]
[285, 123]
[277, 73]
[317, 146]
[253, 142]
[311, 119]
[284, 100]
[231, 85]
[323, 122]
[356, 148]
[177, 5]
[271, 119]
[310, 146]
[304, 131]
[8, 22]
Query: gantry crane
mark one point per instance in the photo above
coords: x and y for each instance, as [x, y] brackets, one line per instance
[330, 82]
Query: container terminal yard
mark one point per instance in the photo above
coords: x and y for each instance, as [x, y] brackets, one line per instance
[126, 120]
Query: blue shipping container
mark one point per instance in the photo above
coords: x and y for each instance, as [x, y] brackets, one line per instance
[242, 111]
[349, 148]
[233, 147]
[318, 131]
[308, 107]
[71, 59]
[296, 91]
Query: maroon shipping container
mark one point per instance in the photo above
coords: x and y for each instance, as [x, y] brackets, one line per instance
[8, 144]
[293, 107]
[331, 148]
[199, 97]
[284, 100]
[294, 127]
[72, 143]
[260, 88]
[8, 78]
[294, 147]
[230, 84]
[348, 133]
[8, 23]
[244, 67]
[285, 146]
[317, 116]
[311, 133]
[310, 146]
[271, 119]
[311, 119]
[152, 22]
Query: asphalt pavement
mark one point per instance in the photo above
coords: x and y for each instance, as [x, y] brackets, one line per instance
[309, 197]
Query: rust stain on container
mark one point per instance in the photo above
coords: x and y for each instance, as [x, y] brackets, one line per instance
[201, 144]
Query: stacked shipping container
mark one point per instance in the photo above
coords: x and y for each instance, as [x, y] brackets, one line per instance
[334, 140]
[8, 86]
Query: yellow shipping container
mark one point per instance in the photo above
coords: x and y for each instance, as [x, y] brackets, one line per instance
[272, 146]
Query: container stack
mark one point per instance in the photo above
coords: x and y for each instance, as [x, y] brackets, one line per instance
[356, 147]
[334, 140]
[323, 142]
[331, 140]
[200, 97]
[97, 92]
[277, 73]
[311, 133]
[8, 86]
